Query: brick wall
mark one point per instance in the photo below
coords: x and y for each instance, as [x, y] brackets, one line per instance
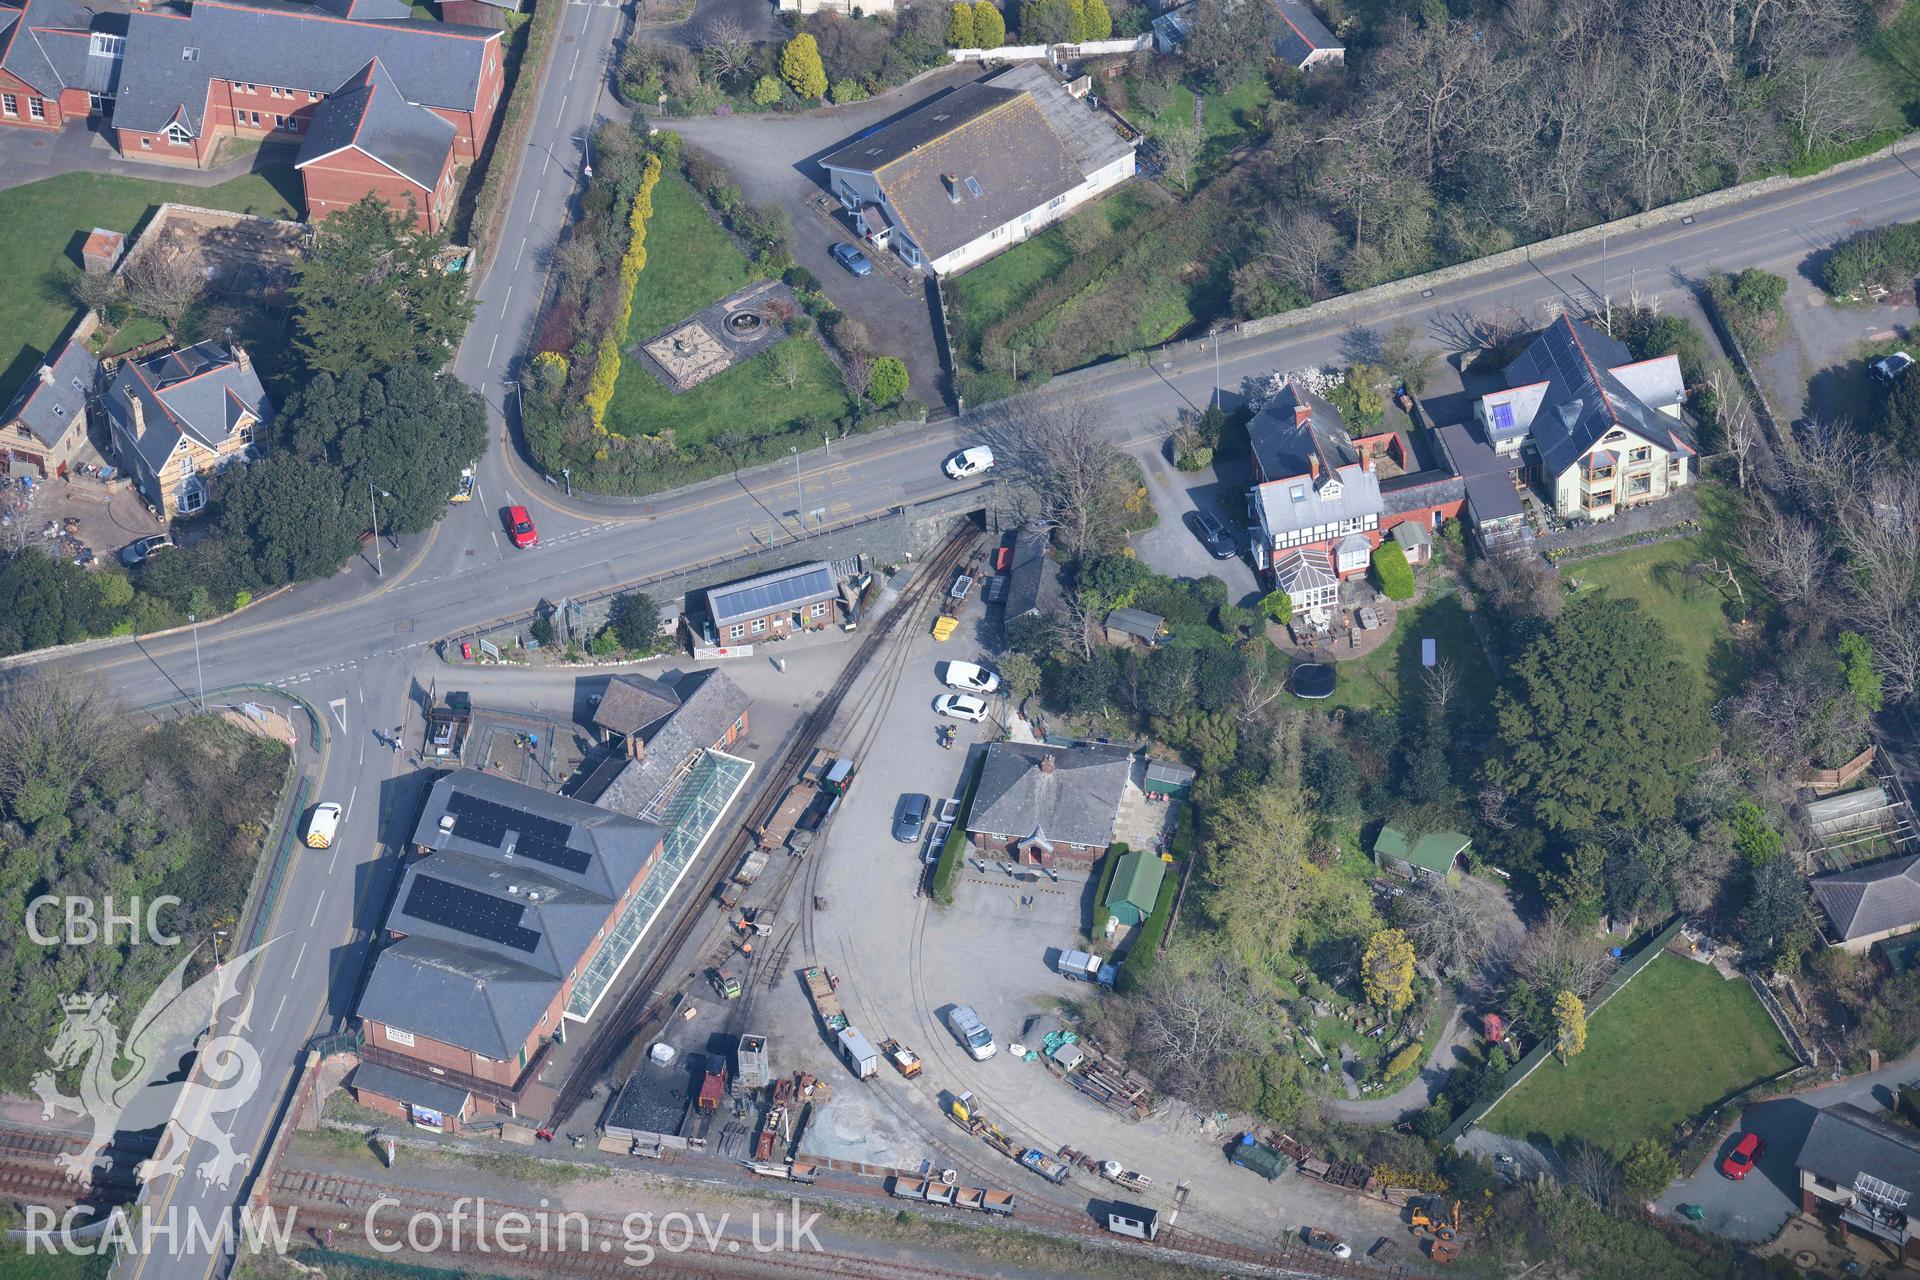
[344, 178]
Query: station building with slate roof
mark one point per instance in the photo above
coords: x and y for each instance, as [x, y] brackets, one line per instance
[507, 896]
[979, 169]
[415, 98]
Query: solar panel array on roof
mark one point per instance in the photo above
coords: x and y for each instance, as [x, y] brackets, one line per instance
[754, 599]
[541, 839]
[1503, 416]
[468, 911]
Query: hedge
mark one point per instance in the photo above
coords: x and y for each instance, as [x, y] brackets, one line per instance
[946, 875]
[1885, 256]
[1100, 913]
[1391, 571]
[606, 365]
[503, 157]
[1137, 968]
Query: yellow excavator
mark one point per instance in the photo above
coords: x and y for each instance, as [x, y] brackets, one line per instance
[1431, 1217]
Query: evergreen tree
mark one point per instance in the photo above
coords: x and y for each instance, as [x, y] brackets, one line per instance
[960, 27]
[801, 68]
[372, 294]
[989, 28]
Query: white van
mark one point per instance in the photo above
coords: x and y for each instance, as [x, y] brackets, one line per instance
[971, 1032]
[321, 826]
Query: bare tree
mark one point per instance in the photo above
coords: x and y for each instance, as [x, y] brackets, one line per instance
[1557, 957]
[1739, 426]
[165, 285]
[1176, 146]
[1496, 807]
[1789, 554]
[1590, 1171]
[1829, 101]
[1300, 250]
[726, 47]
[1442, 682]
[1076, 477]
[1458, 929]
[97, 290]
[1200, 1011]
[1520, 585]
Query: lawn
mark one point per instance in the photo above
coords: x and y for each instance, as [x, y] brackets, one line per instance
[745, 398]
[47, 221]
[691, 261]
[1679, 1036]
[1377, 680]
[1690, 609]
[1228, 120]
[987, 293]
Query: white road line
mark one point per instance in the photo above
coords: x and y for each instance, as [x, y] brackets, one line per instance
[335, 858]
[516, 256]
[350, 795]
[316, 911]
[276, 1010]
[493, 347]
[302, 956]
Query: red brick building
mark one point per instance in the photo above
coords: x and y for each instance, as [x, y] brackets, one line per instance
[418, 97]
[509, 896]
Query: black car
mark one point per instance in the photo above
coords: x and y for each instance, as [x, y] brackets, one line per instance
[1213, 534]
[910, 817]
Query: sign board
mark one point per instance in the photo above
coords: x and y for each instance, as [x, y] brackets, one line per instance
[489, 648]
[725, 651]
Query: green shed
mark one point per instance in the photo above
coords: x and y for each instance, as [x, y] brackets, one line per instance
[1432, 854]
[1164, 778]
[1136, 884]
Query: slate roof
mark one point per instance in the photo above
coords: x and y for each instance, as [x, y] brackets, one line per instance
[1583, 397]
[1137, 622]
[771, 593]
[1846, 1141]
[705, 715]
[633, 703]
[1301, 34]
[50, 406]
[1033, 579]
[200, 392]
[1019, 137]
[1287, 443]
[371, 10]
[531, 883]
[38, 43]
[1871, 899]
[1074, 803]
[404, 1086]
[294, 46]
[371, 115]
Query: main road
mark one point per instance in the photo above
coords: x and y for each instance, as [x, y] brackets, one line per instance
[351, 646]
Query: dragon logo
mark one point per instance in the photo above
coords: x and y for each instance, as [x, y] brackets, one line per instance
[182, 1068]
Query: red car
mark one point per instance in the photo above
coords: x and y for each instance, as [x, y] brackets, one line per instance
[1739, 1161]
[520, 527]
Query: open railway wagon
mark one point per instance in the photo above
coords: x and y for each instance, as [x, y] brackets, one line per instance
[1103, 1078]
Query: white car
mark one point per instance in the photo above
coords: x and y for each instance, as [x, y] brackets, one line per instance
[1890, 367]
[969, 462]
[961, 706]
[971, 1032]
[971, 677]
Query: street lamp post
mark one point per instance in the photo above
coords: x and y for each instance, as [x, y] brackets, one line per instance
[567, 474]
[1214, 335]
[378, 571]
[799, 492]
[198, 677]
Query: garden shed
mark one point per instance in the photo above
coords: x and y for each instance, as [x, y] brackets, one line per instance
[1134, 626]
[1136, 884]
[1167, 780]
[1433, 854]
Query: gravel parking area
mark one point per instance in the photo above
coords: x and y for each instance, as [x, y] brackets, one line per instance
[1818, 369]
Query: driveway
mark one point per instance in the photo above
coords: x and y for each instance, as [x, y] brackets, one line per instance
[774, 159]
[28, 155]
[1171, 547]
[1756, 1207]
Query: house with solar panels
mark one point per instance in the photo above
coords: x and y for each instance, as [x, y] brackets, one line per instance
[1599, 430]
[769, 606]
[515, 910]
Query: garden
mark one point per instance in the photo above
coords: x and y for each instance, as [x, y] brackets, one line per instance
[46, 222]
[598, 403]
[1674, 1040]
[1690, 605]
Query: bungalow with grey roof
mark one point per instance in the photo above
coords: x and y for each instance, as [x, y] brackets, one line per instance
[180, 416]
[1860, 1171]
[1047, 805]
[980, 169]
[1871, 903]
[46, 425]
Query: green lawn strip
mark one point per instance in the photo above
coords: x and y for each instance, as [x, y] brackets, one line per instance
[1378, 679]
[1895, 51]
[47, 221]
[745, 396]
[691, 261]
[953, 850]
[1690, 609]
[1676, 1038]
[984, 295]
